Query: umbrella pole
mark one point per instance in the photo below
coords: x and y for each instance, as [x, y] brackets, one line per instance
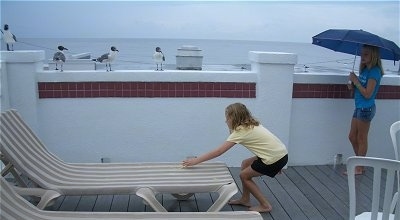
[354, 62]
[355, 55]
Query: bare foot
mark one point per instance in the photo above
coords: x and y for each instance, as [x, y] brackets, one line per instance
[239, 202]
[356, 172]
[359, 170]
[261, 208]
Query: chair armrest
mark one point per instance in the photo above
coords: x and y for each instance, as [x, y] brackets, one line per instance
[46, 196]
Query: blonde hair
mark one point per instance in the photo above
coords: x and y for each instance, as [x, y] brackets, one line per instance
[240, 116]
[375, 58]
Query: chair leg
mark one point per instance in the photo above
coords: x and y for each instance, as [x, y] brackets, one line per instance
[225, 193]
[149, 196]
[9, 168]
[48, 199]
[46, 196]
[394, 202]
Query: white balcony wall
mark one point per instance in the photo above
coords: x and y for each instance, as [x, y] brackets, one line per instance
[169, 129]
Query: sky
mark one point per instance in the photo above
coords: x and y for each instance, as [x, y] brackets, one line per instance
[288, 21]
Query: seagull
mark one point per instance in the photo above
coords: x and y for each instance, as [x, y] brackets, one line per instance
[8, 37]
[158, 57]
[108, 57]
[59, 57]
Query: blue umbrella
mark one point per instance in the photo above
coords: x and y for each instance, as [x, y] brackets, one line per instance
[351, 41]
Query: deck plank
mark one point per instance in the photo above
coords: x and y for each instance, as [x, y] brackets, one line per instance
[69, 203]
[86, 203]
[136, 204]
[170, 203]
[103, 203]
[340, 208]
[300, 192]
[301, 201]
[311, 194]
[203, 200]
[120, 203]
[283, 206]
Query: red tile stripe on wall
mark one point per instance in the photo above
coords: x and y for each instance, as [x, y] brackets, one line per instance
[146, 89]
[339, 91]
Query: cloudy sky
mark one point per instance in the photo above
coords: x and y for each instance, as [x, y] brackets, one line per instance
[292, 21]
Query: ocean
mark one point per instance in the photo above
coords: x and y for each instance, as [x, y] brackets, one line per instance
[217, 54]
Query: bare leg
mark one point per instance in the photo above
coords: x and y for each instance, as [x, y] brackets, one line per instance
[246, 176]
[245, 199]
[358, 137]
[362, 137]
[353, 135]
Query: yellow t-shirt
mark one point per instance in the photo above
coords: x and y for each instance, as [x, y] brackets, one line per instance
[260, 141]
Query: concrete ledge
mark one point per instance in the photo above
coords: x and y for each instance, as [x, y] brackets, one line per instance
[334, 78]
[272, 57]
[22, 56]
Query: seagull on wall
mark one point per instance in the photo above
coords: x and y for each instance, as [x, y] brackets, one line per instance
[108, 58]
[8, 38]
[158, 57]
[59, 57]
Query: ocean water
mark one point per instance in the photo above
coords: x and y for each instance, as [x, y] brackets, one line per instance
[217, 54]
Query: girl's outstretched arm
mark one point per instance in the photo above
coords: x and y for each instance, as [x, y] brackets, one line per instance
[210, 155]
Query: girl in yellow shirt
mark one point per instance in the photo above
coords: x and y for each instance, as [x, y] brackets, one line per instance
[270, 154]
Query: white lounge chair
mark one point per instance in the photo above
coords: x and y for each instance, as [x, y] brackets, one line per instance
[23, 149]
[13, 206]
[381, 195]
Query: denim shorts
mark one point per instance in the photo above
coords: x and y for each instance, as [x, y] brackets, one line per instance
[365, 114]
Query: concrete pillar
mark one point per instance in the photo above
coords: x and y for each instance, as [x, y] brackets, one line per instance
[274, 90]
[19, 84]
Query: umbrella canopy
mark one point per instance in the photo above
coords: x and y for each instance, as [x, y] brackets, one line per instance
[351, 41]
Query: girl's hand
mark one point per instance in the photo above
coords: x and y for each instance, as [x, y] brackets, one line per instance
[353, 78]
[189, 162]
[350, 85]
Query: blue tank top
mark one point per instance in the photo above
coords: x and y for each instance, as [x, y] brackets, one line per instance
[365, 75]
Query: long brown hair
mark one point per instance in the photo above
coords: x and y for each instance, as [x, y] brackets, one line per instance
[239, 115]
[375, 58]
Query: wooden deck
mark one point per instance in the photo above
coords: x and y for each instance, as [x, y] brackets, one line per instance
[300, 192]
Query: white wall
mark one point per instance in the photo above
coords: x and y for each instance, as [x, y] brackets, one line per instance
[319, 130]
[143, 129]
[169, 129]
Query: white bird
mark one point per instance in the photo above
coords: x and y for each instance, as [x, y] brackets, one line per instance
[59, 57]
[8, 38]
[158, 57]
[108, 57]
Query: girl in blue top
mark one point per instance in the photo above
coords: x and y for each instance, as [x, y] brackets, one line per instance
[365, 88]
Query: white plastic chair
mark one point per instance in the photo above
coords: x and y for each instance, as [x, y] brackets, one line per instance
[379, 166]
[394, 129]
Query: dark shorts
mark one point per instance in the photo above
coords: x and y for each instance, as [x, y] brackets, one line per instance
[365, 114]
[269, 170]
